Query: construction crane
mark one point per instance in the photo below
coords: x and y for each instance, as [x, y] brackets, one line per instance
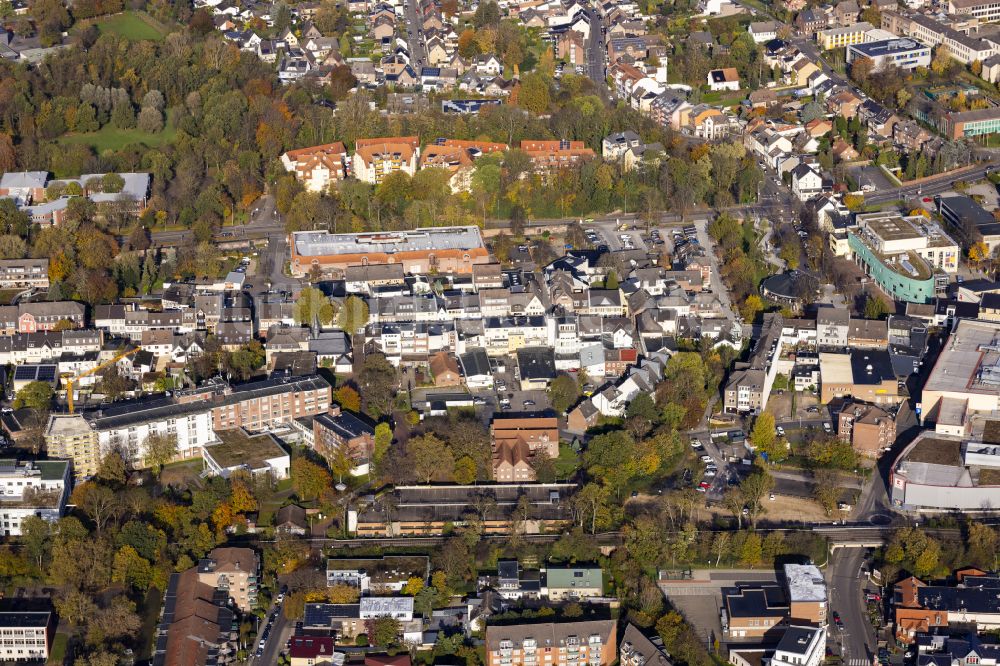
[70, 380]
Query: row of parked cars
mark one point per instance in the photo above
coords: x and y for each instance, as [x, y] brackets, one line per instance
[711, 469]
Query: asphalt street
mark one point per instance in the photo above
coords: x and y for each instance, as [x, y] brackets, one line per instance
[597, 52]
[857, 637]
[413, 37]
[281, 631]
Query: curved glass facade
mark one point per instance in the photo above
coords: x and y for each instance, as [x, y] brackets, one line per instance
[898, 286]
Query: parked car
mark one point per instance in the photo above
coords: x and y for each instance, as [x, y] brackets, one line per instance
[706, 458]
[780, 431]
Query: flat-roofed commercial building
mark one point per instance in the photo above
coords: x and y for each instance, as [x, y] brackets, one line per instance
[970, 220]
[863, 375]
[441, 249]
[908, 257]
[904, 53]
[977, 122]
[966, 377]
[946, 472]
[259, 454]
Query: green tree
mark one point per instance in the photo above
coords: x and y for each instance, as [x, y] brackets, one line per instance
[430, 459]
[382, 631]
[353, 315]
[533, 94]
[377, 381]
[876, 307]
[383, 440]
[160, 449]
[563, 392]
[35, 395]
[309, 480]
[752, 550]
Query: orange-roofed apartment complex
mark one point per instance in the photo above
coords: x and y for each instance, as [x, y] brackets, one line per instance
[374, 159]
[548, 157]
[457, 156]
[516, 442]
[442, 249]
[319, 166]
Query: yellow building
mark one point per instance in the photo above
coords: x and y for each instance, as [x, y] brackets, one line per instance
[70, 437]
[836, 38]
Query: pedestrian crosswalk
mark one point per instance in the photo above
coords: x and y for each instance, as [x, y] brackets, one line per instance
[858, 662]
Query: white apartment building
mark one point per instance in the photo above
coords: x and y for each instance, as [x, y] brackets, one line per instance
[31, 488]
[26, 636]
[800, 646]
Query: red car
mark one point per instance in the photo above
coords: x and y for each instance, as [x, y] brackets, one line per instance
[705, 484]
[928, 200]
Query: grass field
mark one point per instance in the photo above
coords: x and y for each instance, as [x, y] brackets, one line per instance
[112, 138]
[131, 25]
[57, 655]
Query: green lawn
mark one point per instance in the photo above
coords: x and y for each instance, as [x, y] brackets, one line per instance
[132, 26]
[112, 138]
[57, 655]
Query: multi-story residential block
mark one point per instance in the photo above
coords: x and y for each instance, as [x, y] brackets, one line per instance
[967, 599]
[193, 416]
[579, 582]
[27, 636]
[592, 642]
[547, 157]
[637, 649]
[40, 316]
[800, 646]
[318, 167]
[458, 158]
[750, 384]
[49, 345]
[903, 255]
[339, 430]
[348, 620]
[870, 429]
[441, 249]
[235, 572]
[516, 443]
[197, 626]
[374, 159]
[970, 220]
[24, 273]
[31, 488]
[70, 437]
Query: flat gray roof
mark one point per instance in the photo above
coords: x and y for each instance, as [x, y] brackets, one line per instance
[322, 243]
